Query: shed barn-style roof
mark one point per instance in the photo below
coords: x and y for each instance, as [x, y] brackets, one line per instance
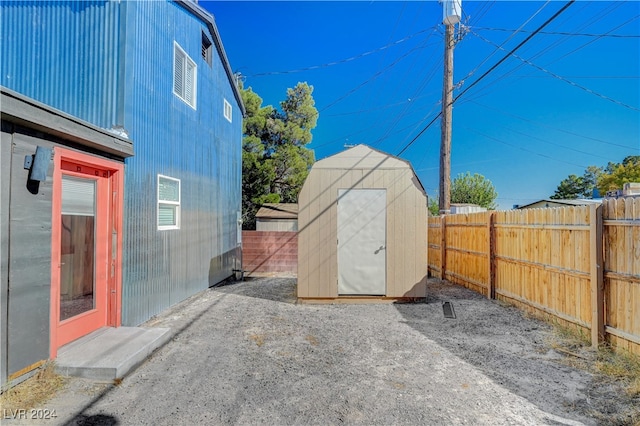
[364, 157]
[278, 211]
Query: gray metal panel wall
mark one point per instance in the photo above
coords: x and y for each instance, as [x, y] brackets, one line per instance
[198, 146]
[5, 180]
[30, 260]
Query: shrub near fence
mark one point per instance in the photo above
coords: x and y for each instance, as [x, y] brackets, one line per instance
[580, 265]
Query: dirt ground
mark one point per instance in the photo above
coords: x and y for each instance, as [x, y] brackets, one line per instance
[247, 353]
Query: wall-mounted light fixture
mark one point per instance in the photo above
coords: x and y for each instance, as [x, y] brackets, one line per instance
[38, 164]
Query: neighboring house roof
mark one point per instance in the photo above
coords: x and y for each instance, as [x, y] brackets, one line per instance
[211, 24]
[576, 202]
[278, 211]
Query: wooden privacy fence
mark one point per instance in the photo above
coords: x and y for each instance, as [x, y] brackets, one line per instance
[578, 264]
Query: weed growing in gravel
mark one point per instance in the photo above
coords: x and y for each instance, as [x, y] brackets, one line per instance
[623, 366]
[34, 391]
[620, 366]
[258, 339]
[570, 337]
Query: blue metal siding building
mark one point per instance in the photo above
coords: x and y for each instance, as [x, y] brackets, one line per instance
[64, 54]
[198, 146]
[111, 63]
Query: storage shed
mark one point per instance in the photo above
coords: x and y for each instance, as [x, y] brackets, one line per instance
[362, 229]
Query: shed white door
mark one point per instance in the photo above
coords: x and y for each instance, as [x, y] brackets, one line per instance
[362, 254]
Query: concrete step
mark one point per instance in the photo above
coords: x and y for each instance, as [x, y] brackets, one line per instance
[109, 353]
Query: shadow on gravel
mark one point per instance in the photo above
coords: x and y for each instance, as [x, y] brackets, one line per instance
[510, 348]
[96, 420]
[276, 289]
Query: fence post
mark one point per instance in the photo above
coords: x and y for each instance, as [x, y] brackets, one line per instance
[597, 275]
[443, 248]
[491, 289]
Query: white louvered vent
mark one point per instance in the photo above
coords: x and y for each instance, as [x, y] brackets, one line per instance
[184, 76]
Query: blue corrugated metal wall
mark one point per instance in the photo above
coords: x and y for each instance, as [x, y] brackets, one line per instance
[111, 63]
[64, 54]
[199, 147]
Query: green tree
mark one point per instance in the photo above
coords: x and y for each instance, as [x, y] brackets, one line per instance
[574, 186]
[275, 160]
[434, 206]
[570, 188]
[627, 171]
[473, 189]
[611, 177]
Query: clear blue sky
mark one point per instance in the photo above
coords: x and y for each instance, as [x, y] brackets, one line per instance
[376, 68]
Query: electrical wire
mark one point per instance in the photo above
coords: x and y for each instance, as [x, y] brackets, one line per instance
[594, 40]
[366, 98]
[559, 77]
[372, 78]
[550, 127]
[562, 33]
[512, 51]
[547, 22]
[379, 107]
[342, 61]
[461, 82]
[554, 46]
[519, 147]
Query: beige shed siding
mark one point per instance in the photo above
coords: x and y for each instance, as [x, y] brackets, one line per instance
[406, 223]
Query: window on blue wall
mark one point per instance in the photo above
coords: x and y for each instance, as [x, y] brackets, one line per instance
[168, 203]
[184, 76]
[227, 110]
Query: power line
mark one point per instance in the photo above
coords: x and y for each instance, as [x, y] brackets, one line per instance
[512, 51]
[521, 148]
[373, 77]
[420, 134]
[547, 22]
[342, 61]
[379, 107]
[589, 77]
[550, 127]
[594, 40]
[561, 33]
[559, 77]
[503, 43]
[554, 45]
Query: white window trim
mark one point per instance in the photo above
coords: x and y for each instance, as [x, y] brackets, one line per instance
[169, 203]
[176, 47]
[228, 111]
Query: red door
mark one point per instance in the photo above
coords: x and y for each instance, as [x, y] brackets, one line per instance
[86, 238]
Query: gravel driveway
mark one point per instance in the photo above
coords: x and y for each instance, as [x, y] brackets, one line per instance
[246, 353]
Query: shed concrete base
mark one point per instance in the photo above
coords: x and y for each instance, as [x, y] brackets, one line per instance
[109, 353]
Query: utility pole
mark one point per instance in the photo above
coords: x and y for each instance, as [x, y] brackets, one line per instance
[451, 16]
[445, 123]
